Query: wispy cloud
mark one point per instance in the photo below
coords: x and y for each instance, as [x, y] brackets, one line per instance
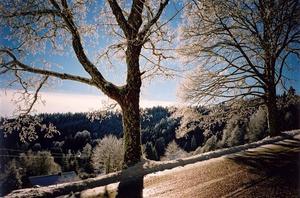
[66, 102]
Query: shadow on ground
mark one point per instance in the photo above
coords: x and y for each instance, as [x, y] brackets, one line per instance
[130, 186]
[277, 164]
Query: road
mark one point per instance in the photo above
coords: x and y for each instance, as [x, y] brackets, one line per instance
[268, 171]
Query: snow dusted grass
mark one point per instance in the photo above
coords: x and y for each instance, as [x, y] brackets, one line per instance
[109, 183]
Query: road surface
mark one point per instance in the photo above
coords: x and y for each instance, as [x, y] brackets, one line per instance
[268, 171]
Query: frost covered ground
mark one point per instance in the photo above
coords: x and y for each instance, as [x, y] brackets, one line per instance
[161, 179]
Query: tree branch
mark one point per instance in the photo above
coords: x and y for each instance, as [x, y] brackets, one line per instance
[122, 22]
[31, 13]
[28, 68]
[135, 17]
[146, 28]
[238, 46]
[107, 87]
[35, 96]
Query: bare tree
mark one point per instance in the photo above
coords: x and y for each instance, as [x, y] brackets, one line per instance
[243, 48]
[37, 27]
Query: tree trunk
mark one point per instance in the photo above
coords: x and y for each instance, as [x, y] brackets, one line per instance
[131, 130]
[272, 115]
[129, 103]
[273, 119]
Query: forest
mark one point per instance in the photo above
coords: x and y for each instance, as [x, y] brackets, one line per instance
[92, 147]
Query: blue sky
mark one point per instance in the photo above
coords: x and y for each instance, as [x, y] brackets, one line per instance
[161, 91]
[293, 74]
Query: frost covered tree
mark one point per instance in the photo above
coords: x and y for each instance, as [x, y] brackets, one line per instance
[81, 138]
[85, 158]
[234, 132]
[211, 144]
[242, 49]
[108, 154]
[173, 151]
[188, 116]
[257, 125]
[124, 31]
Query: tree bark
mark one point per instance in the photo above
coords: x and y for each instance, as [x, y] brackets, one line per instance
[130, 107]
[272, 112]
[131, 130]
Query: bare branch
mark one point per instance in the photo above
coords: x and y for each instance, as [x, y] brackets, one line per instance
[147, 26]
[64, 76]
[107, 87]
[35, 96]
[117, 11]
[135, 19]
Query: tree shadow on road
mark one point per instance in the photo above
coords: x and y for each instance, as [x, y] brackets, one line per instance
[131, 183]
[268, 159]
[278, 165]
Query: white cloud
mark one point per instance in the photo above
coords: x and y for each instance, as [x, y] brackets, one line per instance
[66, 102]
